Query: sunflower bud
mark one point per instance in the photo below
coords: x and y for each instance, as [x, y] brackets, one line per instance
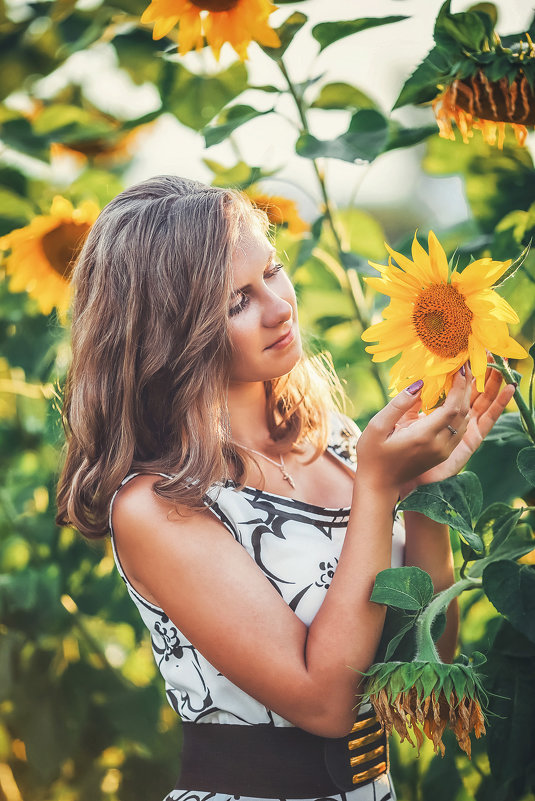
[427, 698]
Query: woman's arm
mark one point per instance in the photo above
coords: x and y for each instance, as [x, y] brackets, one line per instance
[218, 597]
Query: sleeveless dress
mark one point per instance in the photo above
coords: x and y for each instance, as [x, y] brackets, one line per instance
[296, 545]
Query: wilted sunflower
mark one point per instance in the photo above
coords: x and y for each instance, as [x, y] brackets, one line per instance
[238, 22]
[477, 103]
[439, 318]
[476, 78]
[427, 697]
[42, 252]
[280, 210]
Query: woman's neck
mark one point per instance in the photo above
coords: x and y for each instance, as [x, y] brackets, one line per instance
[247, 412]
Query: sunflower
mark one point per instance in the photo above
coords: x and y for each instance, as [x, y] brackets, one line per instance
[42, 252]
[484, 105]
[427, 697]
[437, 319]
[280, 210]
[237, 22]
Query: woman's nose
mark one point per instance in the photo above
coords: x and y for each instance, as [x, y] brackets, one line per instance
[277, 310]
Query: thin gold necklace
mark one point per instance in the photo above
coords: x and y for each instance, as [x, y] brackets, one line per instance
[282, 467]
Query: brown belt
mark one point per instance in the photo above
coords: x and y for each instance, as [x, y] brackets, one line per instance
[280, 762]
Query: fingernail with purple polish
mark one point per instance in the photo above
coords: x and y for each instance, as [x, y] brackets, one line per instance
[463, 370]
[415, 388]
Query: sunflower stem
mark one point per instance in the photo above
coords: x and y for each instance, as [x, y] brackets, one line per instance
[354, 283]
[425, 647]
[527, 417]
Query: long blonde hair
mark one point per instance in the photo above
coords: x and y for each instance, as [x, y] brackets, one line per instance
[146, 390]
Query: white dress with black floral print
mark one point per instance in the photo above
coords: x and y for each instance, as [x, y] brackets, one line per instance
[296, 545]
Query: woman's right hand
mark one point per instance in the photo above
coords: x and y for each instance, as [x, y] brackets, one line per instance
[397, 445]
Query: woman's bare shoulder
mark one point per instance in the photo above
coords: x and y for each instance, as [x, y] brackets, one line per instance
[137, 508]
[149, 530]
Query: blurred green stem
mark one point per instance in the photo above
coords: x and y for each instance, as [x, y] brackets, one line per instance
[354, 283]
[425, 647]
[502, 366]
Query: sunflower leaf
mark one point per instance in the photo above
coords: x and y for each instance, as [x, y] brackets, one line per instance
[510, 587]
[352, 261]
[518, 262]
[328, 32]
[365, 138]
[196, 99]
[286, 33]
[468, 29]
[398, 136]
[407, 588]
[456, 501]
[421, 86]
[526, 464]
[341, 95]
[232, 118]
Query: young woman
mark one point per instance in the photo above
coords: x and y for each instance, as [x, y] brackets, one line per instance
[247, 536]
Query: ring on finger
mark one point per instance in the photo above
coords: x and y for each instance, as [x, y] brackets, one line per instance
[452, 430]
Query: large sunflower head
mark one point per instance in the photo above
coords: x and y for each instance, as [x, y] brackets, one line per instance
[439, 318]
[42, 253]
[426, 698]
[238, 22]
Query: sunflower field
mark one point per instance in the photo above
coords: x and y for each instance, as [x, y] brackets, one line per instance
[285, 102]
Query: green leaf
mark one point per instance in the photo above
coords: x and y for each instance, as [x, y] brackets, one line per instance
[421, 86]
[469, 29]
[456, 501]
[510, 587]
[286, 33]
[499, 519]
[510, 683]
[517, 263]
[231, 119]
[328, 32]
[508, 429]
[397, 638]
[398, 136]
[241, 175]
[196, 99]
[352, 261]
[407, 588]
[526, 464]
[342, 95]
[364, 140]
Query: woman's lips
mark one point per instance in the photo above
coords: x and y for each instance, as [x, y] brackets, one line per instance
[283, 341]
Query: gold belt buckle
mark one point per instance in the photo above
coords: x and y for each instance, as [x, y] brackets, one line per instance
[376, 751]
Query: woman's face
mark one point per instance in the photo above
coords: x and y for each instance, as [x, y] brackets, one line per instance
[263, 326]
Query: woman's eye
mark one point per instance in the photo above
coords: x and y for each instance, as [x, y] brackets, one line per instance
[243, 301]
[274, 269]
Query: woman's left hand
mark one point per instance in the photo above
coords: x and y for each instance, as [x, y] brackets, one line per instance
[485, 409]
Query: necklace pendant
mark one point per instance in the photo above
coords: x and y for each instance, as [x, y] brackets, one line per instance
[287, 477]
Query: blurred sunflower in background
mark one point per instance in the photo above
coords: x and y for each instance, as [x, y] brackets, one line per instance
[439, 318]
[41, 254]
[280, 210]
[238, 22]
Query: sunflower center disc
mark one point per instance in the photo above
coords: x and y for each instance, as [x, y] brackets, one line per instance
[61, 245]
[442, 320]
[215, 5]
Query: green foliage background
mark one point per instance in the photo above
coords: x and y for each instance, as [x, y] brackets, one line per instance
[83, 715]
